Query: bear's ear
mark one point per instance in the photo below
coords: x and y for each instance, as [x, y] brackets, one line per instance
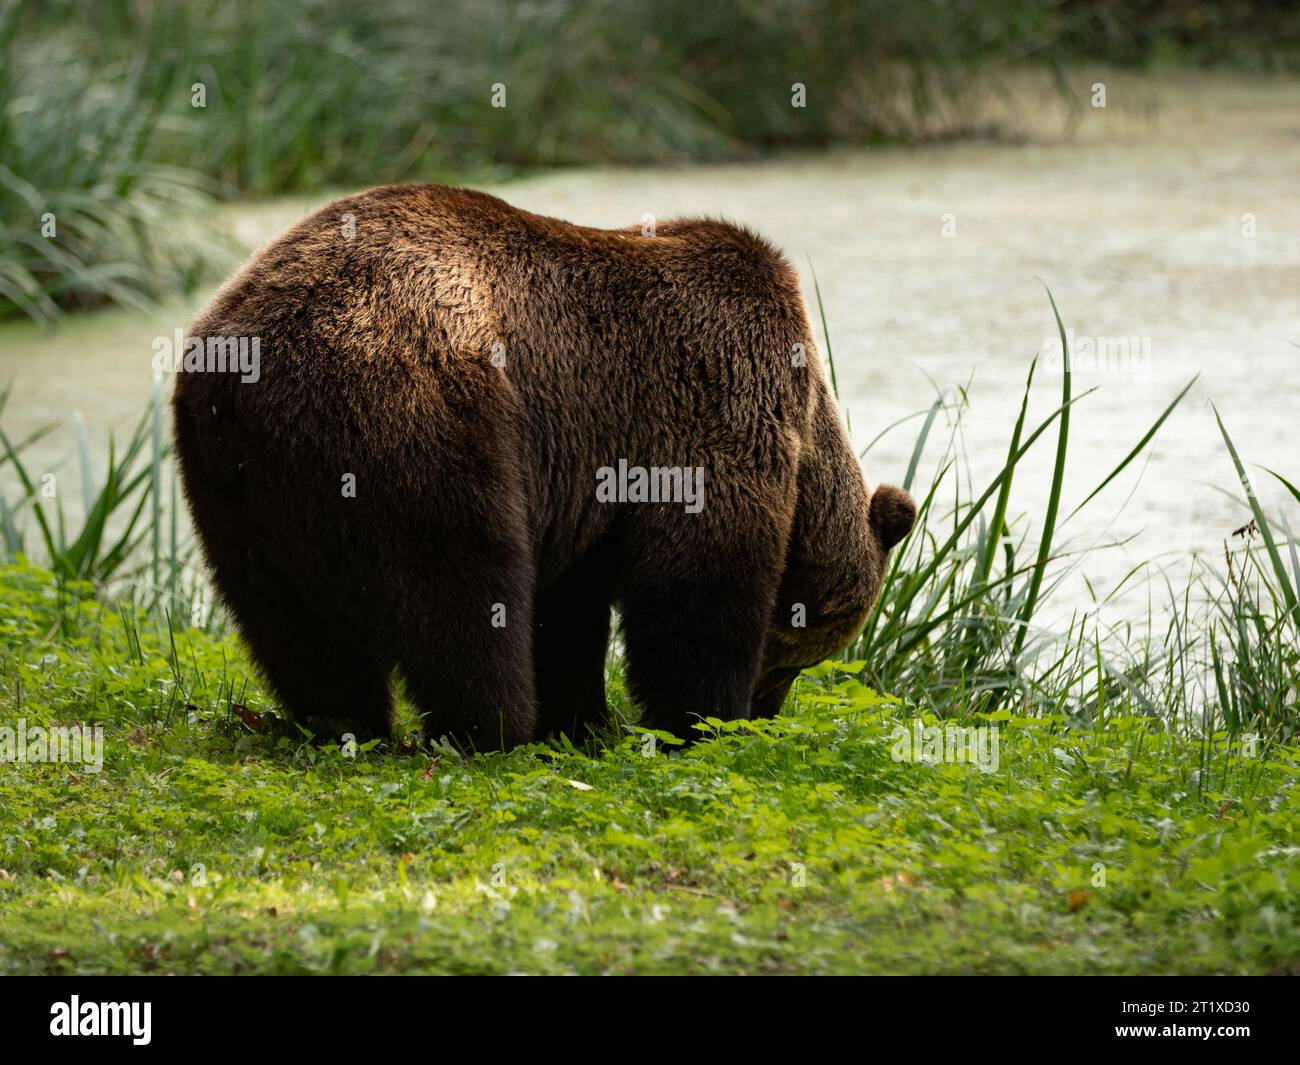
[892, 514]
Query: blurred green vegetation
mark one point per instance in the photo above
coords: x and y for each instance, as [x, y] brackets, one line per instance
[121, 118]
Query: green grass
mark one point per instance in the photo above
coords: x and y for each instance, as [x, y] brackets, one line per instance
[798, 846]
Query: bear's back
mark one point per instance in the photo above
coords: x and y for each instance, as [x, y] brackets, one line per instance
[701, 322]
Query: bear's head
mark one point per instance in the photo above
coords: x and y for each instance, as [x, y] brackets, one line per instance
[832, 577]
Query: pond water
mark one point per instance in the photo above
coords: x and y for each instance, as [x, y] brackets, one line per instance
[1169, 236]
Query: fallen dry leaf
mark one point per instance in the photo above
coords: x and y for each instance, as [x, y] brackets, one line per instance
[889, 883]
[249, 717]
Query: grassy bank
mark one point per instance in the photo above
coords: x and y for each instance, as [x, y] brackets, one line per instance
[216, 839]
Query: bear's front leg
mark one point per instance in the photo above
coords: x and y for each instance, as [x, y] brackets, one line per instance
[772, 690]
[695, 602]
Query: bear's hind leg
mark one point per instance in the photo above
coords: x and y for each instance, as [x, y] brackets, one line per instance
[317, 675]
[464, 643]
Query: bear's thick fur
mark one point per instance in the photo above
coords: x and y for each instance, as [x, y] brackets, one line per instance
[411, 481]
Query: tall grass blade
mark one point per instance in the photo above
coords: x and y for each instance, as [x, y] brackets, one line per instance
[46, 533]
[999, 520]
[13, 541]
[88, 491]
[1284, 581]
[826, 332]
[1053, 499]
[1141, 446]
[919, 447]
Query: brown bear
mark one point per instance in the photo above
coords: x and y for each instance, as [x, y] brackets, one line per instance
[474, 430]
